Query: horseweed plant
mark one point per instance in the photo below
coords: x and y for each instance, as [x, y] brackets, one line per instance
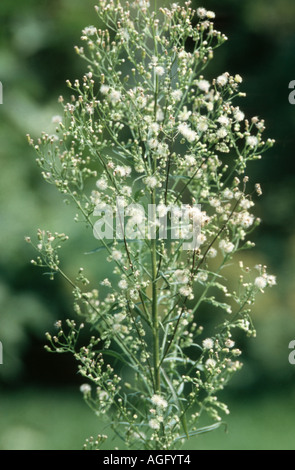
[165, 151]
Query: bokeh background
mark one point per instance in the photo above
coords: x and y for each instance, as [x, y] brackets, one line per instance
[40, 403]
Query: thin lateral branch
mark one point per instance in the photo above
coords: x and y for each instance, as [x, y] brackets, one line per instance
[193, 273]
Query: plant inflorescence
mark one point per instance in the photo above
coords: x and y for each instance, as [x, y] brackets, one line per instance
[147, 138]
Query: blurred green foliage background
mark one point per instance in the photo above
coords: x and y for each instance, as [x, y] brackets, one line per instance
[40, 403]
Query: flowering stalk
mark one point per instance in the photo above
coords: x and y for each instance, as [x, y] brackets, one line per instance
[164, 153]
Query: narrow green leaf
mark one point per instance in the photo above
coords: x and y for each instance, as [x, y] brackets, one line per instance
[118, 356]
[176, 399]
[203, 430]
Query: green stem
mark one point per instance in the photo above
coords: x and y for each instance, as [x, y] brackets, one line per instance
[155, 319]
